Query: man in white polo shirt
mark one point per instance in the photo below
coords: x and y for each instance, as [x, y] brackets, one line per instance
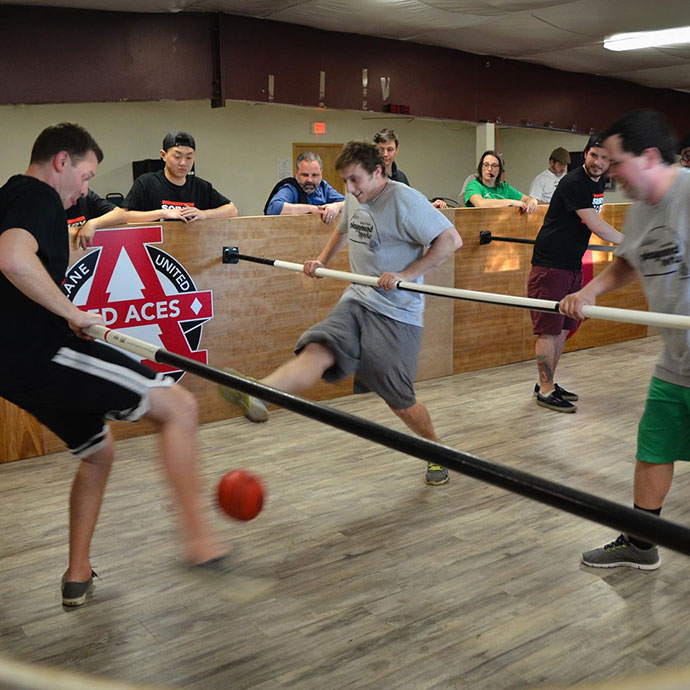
[544, 184]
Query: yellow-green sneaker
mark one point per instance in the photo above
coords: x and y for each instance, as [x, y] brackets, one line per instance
[436, 475]
[254, 410]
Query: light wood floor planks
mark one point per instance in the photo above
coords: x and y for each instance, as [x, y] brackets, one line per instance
[382, 582]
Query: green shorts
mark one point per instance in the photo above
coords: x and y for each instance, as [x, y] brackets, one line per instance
[663, 434]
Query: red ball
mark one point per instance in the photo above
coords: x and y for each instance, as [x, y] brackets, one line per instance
[240, 495]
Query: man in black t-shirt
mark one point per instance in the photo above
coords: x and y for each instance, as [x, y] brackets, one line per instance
[90, 213]
[69, 382]
[181, 195]
[86, 208]
[557, 264]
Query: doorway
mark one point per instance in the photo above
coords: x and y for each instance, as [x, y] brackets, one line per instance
[328, 153]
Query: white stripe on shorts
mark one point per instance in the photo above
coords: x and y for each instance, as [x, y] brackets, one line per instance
[95, 443]
[115, 373]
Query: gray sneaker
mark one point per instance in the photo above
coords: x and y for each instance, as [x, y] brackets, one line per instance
[622, 552]
[436, 475]
[254, 410]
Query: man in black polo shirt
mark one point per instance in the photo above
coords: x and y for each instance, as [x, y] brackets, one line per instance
[557, 264]
[180, 195]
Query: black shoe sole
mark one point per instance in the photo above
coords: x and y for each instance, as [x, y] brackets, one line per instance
[570, 410]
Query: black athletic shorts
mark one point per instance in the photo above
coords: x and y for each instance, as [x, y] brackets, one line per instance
[83, 383]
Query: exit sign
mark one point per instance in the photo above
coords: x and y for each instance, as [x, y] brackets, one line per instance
[318, 127]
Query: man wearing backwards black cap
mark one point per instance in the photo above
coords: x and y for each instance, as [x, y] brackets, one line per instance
[544, 184]
[179, 195]
[557, 263]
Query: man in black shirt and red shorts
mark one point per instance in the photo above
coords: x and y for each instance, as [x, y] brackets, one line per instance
[557, 264]
[182, 196]
[69, 382]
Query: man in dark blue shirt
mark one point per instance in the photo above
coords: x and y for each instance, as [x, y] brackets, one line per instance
[306, 192]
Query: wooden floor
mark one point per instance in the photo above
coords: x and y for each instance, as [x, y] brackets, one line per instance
[380, 581]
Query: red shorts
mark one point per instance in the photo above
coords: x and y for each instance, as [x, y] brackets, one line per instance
[552, 284]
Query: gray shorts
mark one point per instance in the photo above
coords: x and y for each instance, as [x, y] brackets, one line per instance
[380, 351]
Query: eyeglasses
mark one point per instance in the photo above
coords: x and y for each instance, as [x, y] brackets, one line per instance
[489, 166]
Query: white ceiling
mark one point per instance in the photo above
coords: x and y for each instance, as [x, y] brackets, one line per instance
[567, 35]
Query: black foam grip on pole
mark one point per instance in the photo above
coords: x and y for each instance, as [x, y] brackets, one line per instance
[253, 259]
[638, 523]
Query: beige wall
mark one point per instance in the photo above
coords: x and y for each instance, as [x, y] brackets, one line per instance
[238, 146]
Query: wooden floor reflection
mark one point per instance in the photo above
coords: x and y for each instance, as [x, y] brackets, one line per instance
[380, 581]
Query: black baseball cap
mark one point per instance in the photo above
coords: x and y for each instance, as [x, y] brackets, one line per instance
[178, 139]
[596, 140]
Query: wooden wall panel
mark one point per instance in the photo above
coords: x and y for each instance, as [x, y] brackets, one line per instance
[21, 435]
[137, 56]
[487, 335]
[260, 311]
[164, 55]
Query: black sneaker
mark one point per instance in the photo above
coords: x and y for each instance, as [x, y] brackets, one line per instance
[553, 401]
[566, 395]
[74, 593]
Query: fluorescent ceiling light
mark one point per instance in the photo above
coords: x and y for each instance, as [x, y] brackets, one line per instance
[648, 39]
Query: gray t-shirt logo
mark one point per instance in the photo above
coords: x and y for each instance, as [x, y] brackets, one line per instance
[363, 229]
[661, 253]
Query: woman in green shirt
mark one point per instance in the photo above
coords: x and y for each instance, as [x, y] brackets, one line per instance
[488, 190]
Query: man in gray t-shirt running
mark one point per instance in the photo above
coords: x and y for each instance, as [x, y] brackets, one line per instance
[373, 332]
[655, 248]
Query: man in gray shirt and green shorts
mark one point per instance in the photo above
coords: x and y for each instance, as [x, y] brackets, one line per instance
[655, 248]
[373, 332]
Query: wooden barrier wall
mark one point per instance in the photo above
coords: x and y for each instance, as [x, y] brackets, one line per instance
[485, 335]
[260, 311]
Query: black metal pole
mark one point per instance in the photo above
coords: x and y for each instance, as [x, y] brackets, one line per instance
[643, 525]
[485, 237]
